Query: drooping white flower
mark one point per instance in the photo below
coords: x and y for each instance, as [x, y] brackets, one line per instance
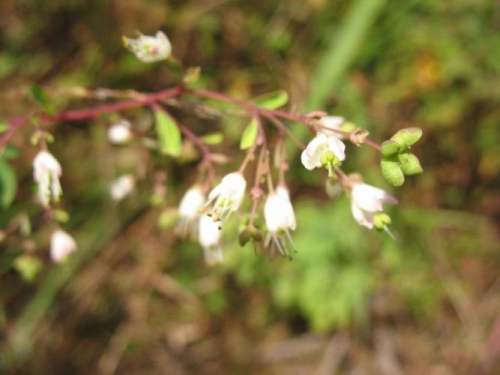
[120, 133]
[323, 151]
[209, 237]
[121, 187]
[331, 123]
[280, 220]
[367, 202]
[46, 172]
[189, 211]
[61, 246]
[227, 197]
[149, 48]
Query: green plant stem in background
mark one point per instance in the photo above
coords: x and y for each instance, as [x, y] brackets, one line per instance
[342, 51]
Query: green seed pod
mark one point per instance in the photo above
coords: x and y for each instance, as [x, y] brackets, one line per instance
[392, 171]
[408, 136]
[245, 236]
[410, 165]
[390, 147]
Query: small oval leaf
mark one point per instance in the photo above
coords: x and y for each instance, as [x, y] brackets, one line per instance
[213, 138]
[272, 100]
[249, 135]
[169, 134]
[8, 184]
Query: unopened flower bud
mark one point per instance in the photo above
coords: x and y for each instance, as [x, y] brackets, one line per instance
[46, 172]
[120, 133]
[61, 246]
[122, 187]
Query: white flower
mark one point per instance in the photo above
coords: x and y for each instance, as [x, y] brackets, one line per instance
[323, 150]
[367, 201]
[209, 238]
[150, 48]
[227, 197]
[330, 124]
[280, 220]
[189, 211]
[120, 133]
[121, 187]
[46, 172]
[61, 246]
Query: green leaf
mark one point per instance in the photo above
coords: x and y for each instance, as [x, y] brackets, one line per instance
[8, 184]
[10, 152]
[392, 171]
[390, 148]
[213, 138]
[272, 100]
[408, 136]
[410, 165]
[4, 126]
[169, 134]
[38, 95]
[28, 266]
[249, 135]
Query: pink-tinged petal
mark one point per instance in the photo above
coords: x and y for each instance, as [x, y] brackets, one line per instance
[362, 217]
[379, 194]
[365, 199]
[336, 146]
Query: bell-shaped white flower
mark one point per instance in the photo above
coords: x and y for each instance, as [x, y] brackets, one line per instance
[120, 132]
[209, 236]
[280, 220]
[150, 48]
[61, 246]
[227, 197]
[121, 187]
[190, 210]
[46, 172]
[331, 123]
[367, 205]
[323, 151]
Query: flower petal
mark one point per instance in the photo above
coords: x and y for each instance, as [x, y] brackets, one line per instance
[362, 217]
[336, 146]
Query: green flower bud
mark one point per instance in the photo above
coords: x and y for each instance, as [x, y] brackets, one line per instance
[348, 127]
[381, 220]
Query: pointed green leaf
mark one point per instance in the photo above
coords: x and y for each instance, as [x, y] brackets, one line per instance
[410, 165]
[392, 171]
[8, 184]
[38, 95]
[272, 100]
[169, 134]
[213, 138]
[249, 135]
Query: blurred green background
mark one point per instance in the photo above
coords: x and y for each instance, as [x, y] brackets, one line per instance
[135, 299]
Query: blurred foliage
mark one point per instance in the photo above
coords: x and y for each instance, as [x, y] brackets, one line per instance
[385, 65]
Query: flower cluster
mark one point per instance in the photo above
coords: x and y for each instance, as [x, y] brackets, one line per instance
[202, 216]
